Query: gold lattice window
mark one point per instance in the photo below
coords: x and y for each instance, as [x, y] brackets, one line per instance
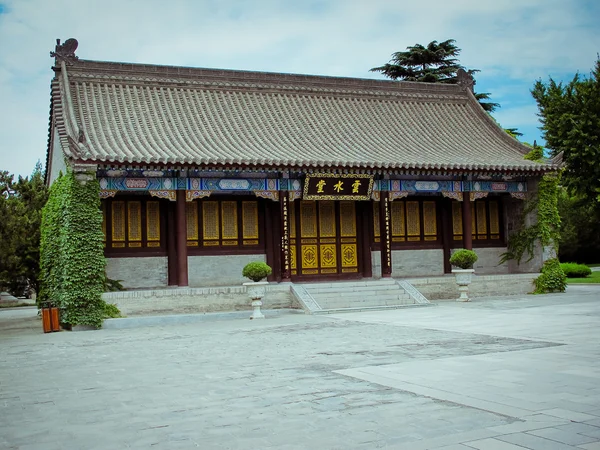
[413, 221]
[397, 221]
[410, 221]
[250, 220]
[429, 221]
[485, 220]
[118, 224]
[347, 219]
[229, 223]
[327, 219]
[222, 223]
[494, 220]
[308, 219]
[457, 226]
[191, 220]
[131, 224]
[153, 223]
[210, 222]
[481, 221]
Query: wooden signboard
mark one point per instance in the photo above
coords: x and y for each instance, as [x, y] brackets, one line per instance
[333, 186]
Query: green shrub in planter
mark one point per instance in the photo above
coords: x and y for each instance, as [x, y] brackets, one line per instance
[256, 271]
[463, 259]
[573, 270]
[552, 279]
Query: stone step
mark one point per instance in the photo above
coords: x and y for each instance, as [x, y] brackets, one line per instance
[336, 284]
[339, 302]
[365, 308]
[359, 294]
[343, 288]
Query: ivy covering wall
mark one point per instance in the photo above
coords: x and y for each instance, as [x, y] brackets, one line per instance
[545, 230]
[71, 254]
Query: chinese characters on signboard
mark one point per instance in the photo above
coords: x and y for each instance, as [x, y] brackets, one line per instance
[331, 186]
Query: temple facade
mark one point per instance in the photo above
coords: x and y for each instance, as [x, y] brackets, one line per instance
[202, 171]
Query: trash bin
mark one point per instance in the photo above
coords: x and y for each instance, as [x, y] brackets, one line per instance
[50, 318]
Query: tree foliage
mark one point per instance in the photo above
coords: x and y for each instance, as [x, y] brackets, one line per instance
[570, 116]
[435, 63]
[579, 237]
[21, 205]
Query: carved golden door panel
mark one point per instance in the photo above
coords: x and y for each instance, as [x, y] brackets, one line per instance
[326, 243]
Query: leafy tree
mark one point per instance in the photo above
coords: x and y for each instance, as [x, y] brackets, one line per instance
[21, 204]
[570, 116]
[434, 63]
[579, 237]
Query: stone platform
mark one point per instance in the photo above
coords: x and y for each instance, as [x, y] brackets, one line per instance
[189, 300]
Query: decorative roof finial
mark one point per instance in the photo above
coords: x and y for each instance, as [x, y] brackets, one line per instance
[465, 79]
[66, 51]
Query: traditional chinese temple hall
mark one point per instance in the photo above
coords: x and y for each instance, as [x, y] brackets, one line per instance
[324, 178]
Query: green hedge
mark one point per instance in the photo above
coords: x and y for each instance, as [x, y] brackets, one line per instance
[574, 270]
[552, 279]
[71, 252]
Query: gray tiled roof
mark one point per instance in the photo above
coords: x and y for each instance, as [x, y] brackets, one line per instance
[125, 113]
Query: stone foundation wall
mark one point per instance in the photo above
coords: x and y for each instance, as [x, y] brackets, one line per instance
[445, 288]
[196, 300]
[488, 259]
[220, 270]
[411, 263]
[140, 272]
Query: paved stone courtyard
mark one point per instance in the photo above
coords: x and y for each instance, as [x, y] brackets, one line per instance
[494, 374]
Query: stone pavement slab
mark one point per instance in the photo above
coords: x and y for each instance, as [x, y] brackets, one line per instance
[519, 372]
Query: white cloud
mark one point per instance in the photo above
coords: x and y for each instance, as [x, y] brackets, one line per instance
[513, 43]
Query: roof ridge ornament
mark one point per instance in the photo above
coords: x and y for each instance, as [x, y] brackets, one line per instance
[66, 51]
[465, 79]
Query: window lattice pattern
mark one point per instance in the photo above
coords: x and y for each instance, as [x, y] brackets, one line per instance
[131, 224]
[347, 219]
[413, 221]
[398, 222]
[410, 221]
[308, 219]
[210, 216]
[429, 221]
[191, 220]
[457, 221]
[224, 223]
[153, 223]
[485, 220]
[481, 220]
[250, 220]
[229, 221]
[376, 227]
[327, 219]
[118, 222]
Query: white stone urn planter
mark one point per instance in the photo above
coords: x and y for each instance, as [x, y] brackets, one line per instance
[463, 279]
[256, 291]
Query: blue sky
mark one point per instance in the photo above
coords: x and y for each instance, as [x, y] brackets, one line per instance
[512, 42]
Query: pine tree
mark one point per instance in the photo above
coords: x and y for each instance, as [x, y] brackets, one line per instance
[434, 63]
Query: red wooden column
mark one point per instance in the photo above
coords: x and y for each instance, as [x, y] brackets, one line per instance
[171, 244]
[181, 239]
[385, 234]
[365, 221]
[284, 205]
[467, 221]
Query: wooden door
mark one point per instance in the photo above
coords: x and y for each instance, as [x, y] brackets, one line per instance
[326, 241]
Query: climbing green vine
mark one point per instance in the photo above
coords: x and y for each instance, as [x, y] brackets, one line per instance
[72, 255]
[546, 231]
